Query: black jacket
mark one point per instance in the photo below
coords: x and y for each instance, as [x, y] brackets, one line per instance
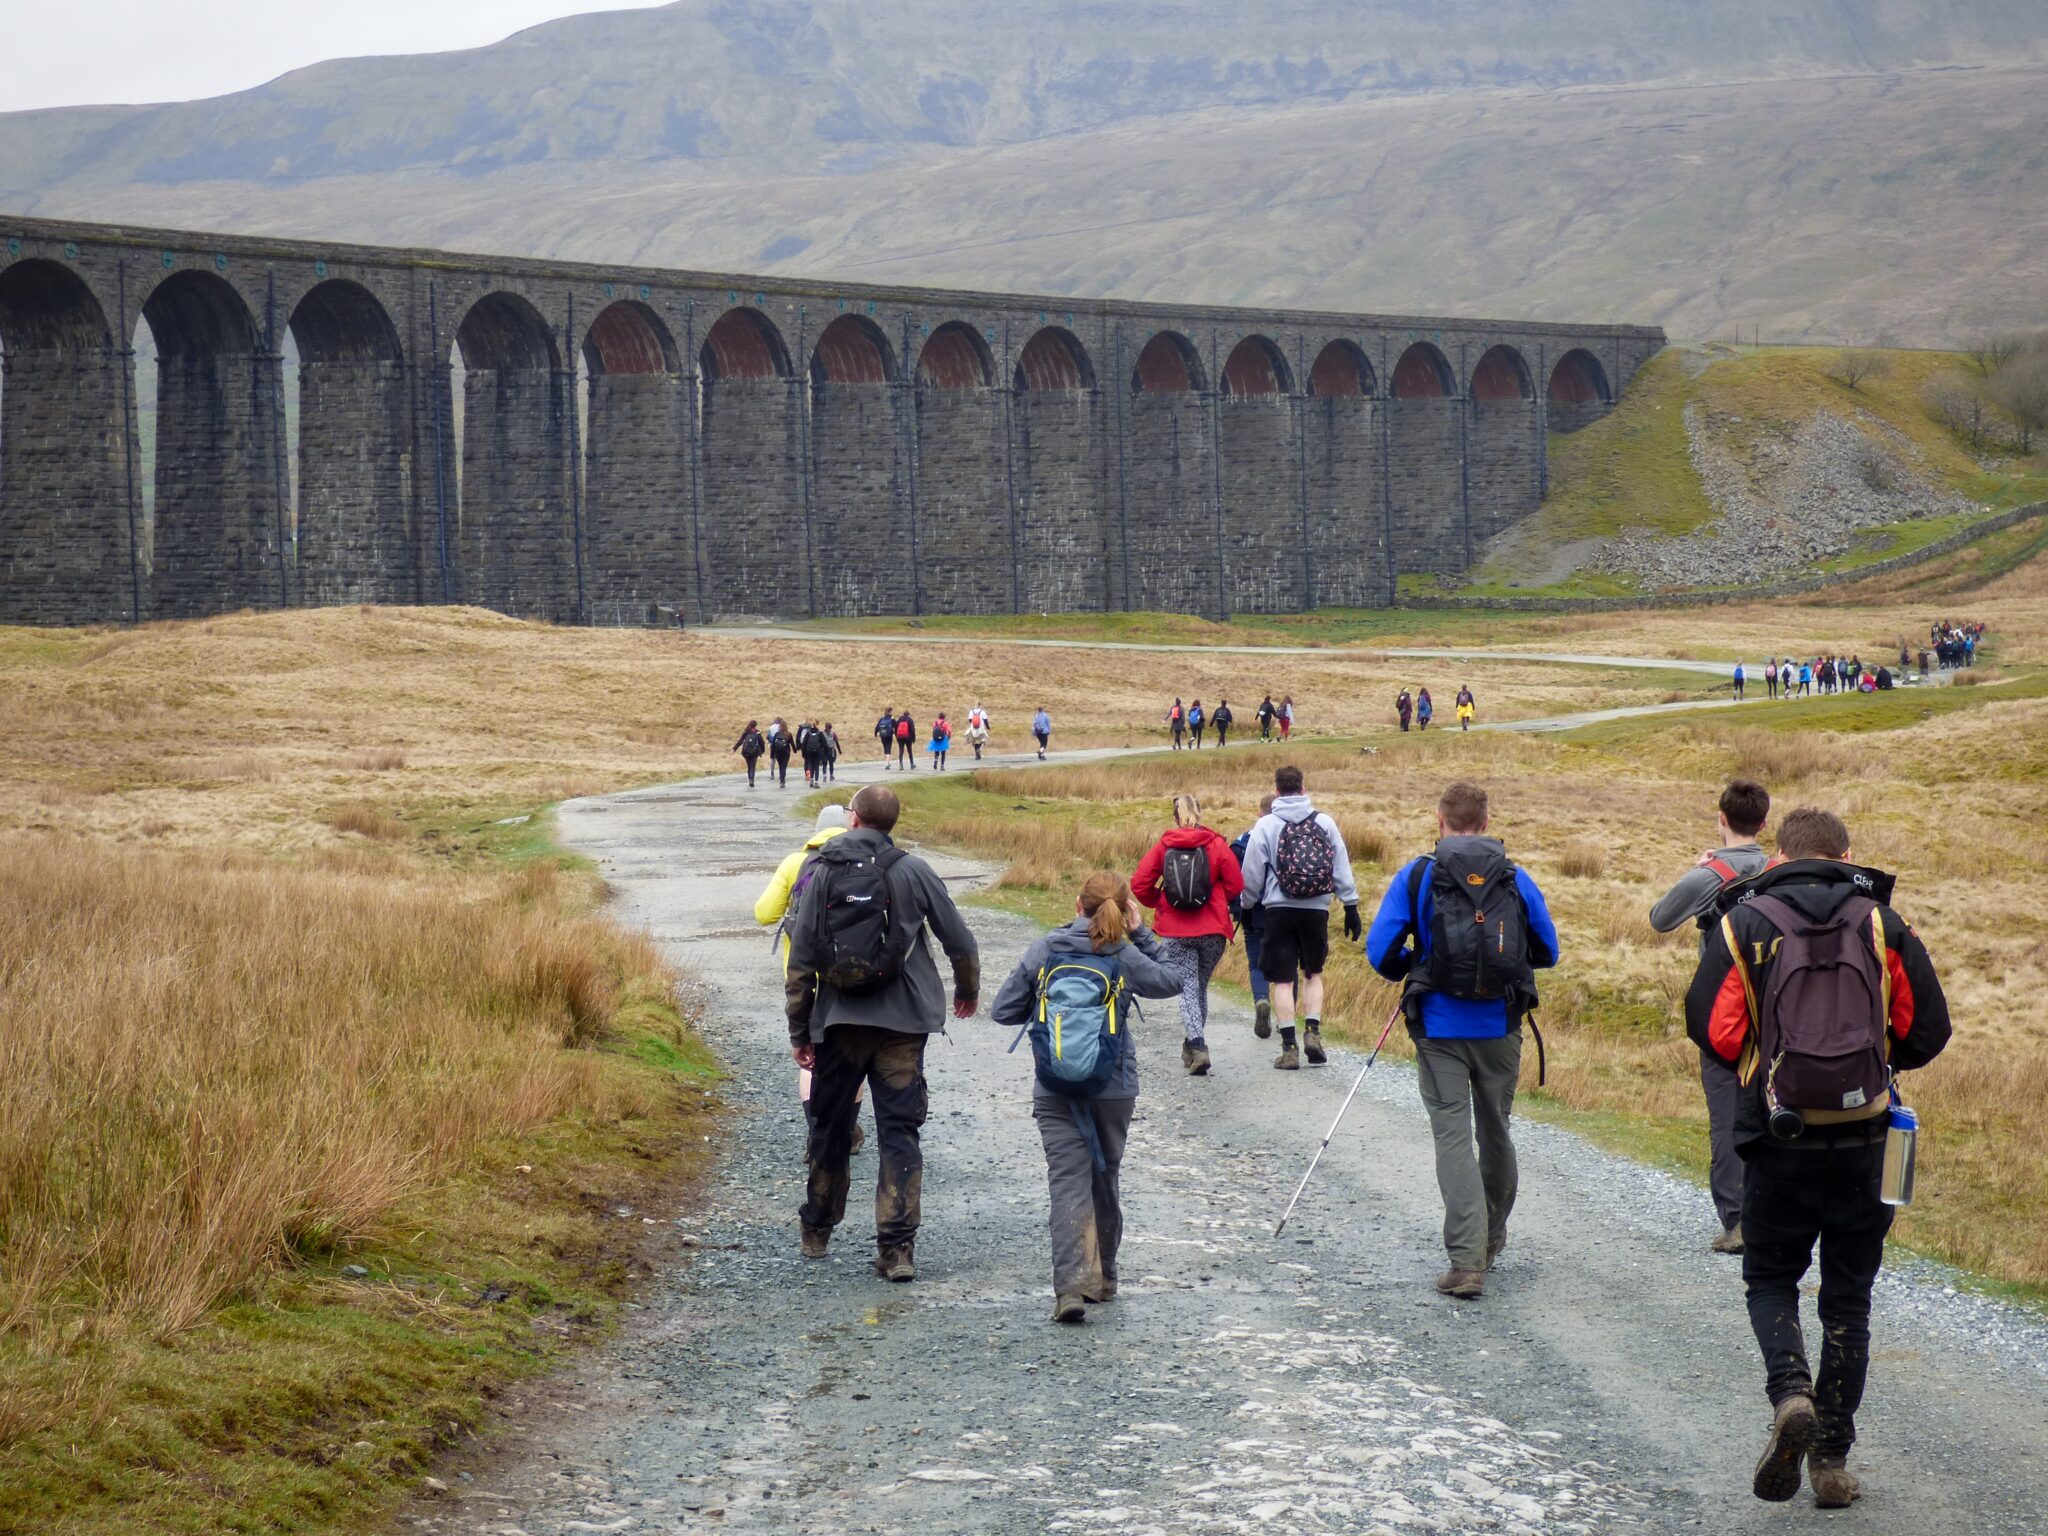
[1719, 1013]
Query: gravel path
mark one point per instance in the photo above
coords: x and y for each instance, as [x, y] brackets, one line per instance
[1607, 1383]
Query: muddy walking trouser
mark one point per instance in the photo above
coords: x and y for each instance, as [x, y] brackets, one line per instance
[892, 1065]
[1254, 934]
[1468, 1087]
[1194, 961]
[1792, 1198]
[1087, 1207]
[1724, 1177]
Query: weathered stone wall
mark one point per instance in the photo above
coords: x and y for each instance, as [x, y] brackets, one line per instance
[724, 486]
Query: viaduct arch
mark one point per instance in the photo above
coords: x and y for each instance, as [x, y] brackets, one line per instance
[633, 446]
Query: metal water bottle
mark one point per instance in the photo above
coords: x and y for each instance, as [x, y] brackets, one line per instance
[1899, 1139]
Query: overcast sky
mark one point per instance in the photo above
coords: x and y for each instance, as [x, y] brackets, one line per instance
[56, 53]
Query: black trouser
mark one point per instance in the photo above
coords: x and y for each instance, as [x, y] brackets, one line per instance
[1222, 733]
[1725, 1173]
[1792, 1197]
[906, 751]
[752, 763]
[1195, 731]
[892, 1065]
[778, 766]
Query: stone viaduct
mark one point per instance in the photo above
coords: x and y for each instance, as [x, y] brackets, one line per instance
[626, 446]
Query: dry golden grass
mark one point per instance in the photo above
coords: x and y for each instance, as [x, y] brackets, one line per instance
[1956, 805]
[212, 1065]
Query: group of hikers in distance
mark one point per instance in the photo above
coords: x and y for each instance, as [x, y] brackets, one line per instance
[1954, 645]
[1809, 997]
[1420, 709]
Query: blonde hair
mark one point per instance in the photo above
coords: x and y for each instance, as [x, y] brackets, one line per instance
[1104, 901]
[1187, 811]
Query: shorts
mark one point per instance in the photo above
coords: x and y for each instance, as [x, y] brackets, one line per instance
[1296, 939]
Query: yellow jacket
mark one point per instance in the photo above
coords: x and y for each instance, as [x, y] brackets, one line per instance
[773, 904]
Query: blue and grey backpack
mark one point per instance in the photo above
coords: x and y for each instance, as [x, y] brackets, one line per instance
[1078, 1036]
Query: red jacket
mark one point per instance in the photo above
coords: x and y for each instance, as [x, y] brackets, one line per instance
[1226, 884]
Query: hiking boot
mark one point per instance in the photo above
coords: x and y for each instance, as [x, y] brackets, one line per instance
[813, 1241]
[1793, 1427]
[1729, 1241]
[1312, 1045]
[1289, 1060]
[1465, 1284]
[1194, 1055]
[1069, 1309]
[1262, 1019]
[1834, 1485]
[1493, 1250]
[1108, 1289]
[896, 1264]
[860, 1138]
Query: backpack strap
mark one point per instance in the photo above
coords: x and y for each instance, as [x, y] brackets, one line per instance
[1728, 872]
[1745, 1067]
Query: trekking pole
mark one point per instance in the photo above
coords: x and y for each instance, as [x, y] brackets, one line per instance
[1332, 1131]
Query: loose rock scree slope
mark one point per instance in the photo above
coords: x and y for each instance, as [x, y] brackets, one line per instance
[1607, 1382]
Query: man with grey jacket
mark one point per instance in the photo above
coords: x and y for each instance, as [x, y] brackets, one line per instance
[1294, 863]
[1745, 807]
[875, 1034]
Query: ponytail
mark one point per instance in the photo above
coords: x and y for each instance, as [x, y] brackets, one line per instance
[1103, 900]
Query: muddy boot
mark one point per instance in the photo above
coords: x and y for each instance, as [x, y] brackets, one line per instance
[896, 1264]
[1069, 1309]
[1465, 1284]
[813, 1242]
[1793, 1427]
[1312, 1045]
[1289, 1059]
[1729, 1241]
[1194, 1055]
[860, 1139]
[1834, 1485]
[1262, 1019]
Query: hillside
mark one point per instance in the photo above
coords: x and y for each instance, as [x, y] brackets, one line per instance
[1727, 466]
[1694, 163]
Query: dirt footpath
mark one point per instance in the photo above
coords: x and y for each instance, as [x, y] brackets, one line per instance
[1607, 1383]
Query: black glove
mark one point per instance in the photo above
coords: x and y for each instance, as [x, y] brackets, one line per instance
[1353, 928]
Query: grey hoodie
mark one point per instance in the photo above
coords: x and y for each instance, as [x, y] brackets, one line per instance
[1265, 843]
[1141, 959]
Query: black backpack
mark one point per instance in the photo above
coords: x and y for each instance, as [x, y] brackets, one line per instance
[751, 744]
[1185, 880]
[1821, 1018]
[1479, 933]
[1304, 859]
[861, 941]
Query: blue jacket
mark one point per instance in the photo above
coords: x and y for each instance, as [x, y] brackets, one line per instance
[1450, 1018]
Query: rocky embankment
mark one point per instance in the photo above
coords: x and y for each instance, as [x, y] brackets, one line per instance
[1802, 499]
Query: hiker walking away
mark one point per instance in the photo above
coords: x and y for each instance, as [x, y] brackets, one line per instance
[1805, 678]
[862, 996]
[1740, 678]
[811, 743]
[1745, 807]
[1771, 678]
[1251, 922]
[1294, 863]
[906, 742]
[1425, 710]
[779, 748]
[1404, 707]
[1041, 731]
[977, 730]
[942, 741]
[1196, 722]
[885, 733]
[1191, 879]
[831, 752]
[1466, 931]
[1816, 993]
[1267, 714]
[750, 746]
[1070, 991]
[1177, 722]
[771, 910]
[1286, 717]
[1223, 719]
[1467, 707]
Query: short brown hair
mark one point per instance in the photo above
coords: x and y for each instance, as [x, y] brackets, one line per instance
[1812, 833]
[1463, 807]
[1287, 781]
[877, 807]
[1747, 806]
